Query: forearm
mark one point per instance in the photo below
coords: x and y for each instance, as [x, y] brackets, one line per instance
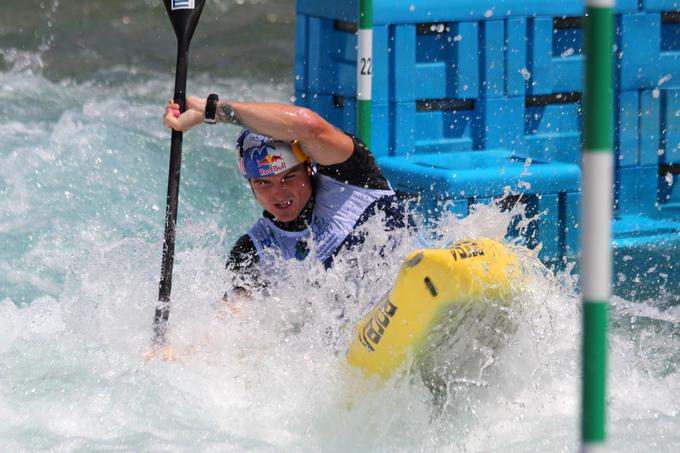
[281, 121]
[319, 139]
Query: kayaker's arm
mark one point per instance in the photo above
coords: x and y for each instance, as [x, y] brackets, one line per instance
[242, 263]
[320, 140]
[243, 274]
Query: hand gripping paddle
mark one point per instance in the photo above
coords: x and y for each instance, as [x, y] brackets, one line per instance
[184, 15]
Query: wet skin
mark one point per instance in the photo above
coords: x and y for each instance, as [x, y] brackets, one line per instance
[284, 195]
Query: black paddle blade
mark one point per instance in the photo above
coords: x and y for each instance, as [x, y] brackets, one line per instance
[184, 15]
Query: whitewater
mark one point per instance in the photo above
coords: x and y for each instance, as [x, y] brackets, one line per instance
[83, 174]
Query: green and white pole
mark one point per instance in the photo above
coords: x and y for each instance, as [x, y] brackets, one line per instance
[364, 70]
[596, 259]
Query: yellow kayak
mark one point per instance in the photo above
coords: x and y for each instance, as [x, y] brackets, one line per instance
[432, 286]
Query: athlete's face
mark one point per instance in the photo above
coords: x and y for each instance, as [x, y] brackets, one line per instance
[284, 195]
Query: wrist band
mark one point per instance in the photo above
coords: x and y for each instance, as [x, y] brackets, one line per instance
[210, 109]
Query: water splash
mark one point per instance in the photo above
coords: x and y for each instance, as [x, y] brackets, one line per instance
[79, 280]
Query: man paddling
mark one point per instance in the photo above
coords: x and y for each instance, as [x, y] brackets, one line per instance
[316, 183]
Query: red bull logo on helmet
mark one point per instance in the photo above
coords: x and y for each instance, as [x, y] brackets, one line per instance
[261, 156]
[270, 159]
[272, 164]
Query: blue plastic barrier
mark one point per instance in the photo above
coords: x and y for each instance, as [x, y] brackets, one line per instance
[649, 50]
[646, 256]
[555, 57]
[648, 134]
[637, 128]
[670, 125]
[462, 89]
[408, 11]
[479, 177]
[669, 192]
[660, 5]
[636, 187]
[546, 128]
[436, 50]
[326, 57]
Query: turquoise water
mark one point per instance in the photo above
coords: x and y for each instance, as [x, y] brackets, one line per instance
[83, 173]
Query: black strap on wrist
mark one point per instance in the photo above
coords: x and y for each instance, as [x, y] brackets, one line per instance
[210, 109]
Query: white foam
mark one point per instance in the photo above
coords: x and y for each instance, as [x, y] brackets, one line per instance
[84, 271]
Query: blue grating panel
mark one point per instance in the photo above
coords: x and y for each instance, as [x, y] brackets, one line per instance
[670, 126]
[549, 228]
[637, 191]
[552, 131]
[555, 60]
[626, 134]
[660, 126]
[650, 52]
[572, 219]
[661, 5]
[480, 174]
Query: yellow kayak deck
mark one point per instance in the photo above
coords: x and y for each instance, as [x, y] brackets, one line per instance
[431, 285]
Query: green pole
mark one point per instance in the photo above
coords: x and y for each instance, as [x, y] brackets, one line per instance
[364, 70]
[596, 262]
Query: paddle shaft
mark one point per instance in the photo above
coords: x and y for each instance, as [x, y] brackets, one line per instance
[184, 15]
[172, 200]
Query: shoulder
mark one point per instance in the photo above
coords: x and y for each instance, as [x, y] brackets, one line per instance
[360, 169]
